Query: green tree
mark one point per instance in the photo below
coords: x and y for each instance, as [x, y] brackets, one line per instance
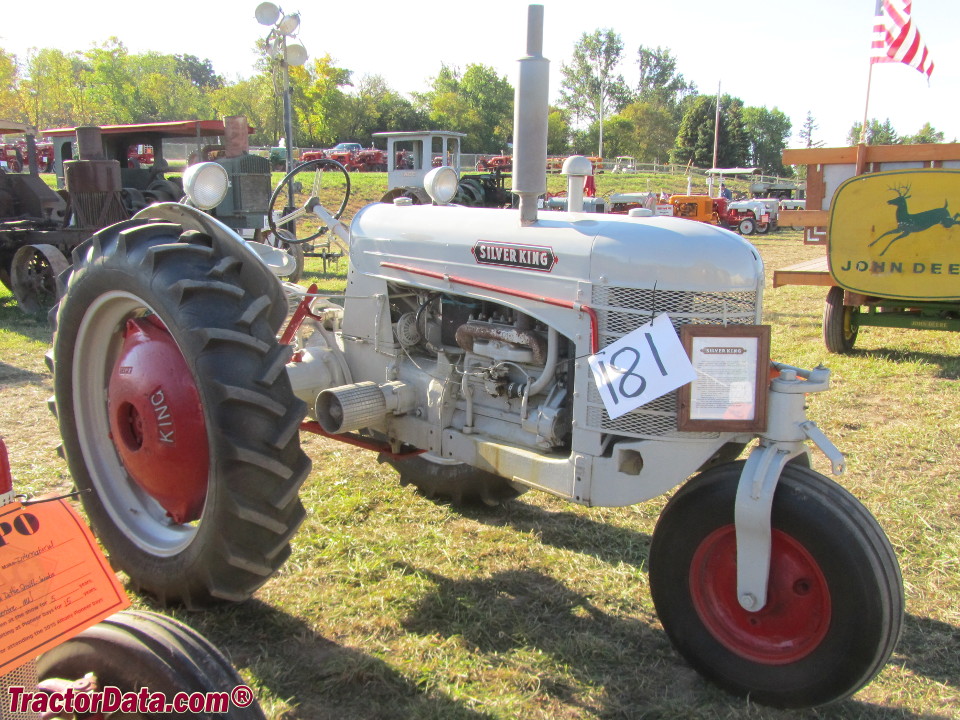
[253, 98]
[318, 101]
[767, 132]
[477, 102]
[806, 132]
[110, 86]
[653, 131]
[660, 83]
[694, 143]
[375, 107]
[927, 135]
[591, 88]
[558, 132]
[199, 72]
[877, 133]
[11, 100]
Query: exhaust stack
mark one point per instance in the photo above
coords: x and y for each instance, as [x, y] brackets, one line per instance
[530, 120]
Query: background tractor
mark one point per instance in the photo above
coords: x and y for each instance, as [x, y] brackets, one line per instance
[482, 353]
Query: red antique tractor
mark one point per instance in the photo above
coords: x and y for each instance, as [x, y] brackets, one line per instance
[504, 163]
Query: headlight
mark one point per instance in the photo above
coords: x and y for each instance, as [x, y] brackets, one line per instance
[206, 184]
[441, 184]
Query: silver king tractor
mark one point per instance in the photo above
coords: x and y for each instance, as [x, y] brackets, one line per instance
[460, 351]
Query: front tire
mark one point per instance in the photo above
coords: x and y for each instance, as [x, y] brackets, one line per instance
[747, 226]
[835, 596]
[177, 417]
[840, 323]
[131, 650]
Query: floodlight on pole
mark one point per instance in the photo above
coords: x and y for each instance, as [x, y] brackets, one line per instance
[283, 26]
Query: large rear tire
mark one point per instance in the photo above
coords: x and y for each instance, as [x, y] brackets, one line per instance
[132, 650]
[835, 596]
[177, 417]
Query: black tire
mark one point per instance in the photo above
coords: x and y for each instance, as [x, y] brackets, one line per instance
[747, 226]
[835, 603]
[763, 228]
[214, 313]
[457, 483]
[132, 650]
[417, 195]
[840, 323]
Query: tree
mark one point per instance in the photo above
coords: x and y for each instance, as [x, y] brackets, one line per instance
[477, 102]
[11, 105]
[318, 101]
[694, 142]
[806, 132]
[660, 83]
[558, 132]
[926, 135]
[199, 72]
[374, 107]
[590, 88]
[653, 131]
[877, 133]
[767, 133]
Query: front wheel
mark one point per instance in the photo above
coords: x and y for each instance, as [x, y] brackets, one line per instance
[177, 417]
[835, 597]
[132, 650]
[840, 323]
[747, 226]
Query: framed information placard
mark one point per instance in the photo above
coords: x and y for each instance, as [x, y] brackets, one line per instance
[732, 364]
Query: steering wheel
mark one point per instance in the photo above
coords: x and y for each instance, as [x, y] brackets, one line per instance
[322, 181]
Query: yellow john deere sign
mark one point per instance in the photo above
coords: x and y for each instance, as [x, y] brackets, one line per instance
[897, 234]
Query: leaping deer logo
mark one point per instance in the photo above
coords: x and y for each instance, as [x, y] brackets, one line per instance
[908, 222]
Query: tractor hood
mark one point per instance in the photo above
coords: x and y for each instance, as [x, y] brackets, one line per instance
[557, 254]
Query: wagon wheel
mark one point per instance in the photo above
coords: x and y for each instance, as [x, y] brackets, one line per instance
[33, 277]
[835, 596]
[177, 418]
[840, 322]
[131, 650]
[306, 181]
[457, 483]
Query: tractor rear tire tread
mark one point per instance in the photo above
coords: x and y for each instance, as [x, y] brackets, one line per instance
[257, 463]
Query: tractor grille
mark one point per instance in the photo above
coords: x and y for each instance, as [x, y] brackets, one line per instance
[623, 310]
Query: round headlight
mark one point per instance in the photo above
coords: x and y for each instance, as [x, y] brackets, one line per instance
[441, 184]
[206, 184]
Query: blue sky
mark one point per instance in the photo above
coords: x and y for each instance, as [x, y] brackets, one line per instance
[798, 57]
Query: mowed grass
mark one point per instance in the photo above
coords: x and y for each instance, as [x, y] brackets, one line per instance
[392, 606]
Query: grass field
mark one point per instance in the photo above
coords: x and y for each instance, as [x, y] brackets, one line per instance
[392, 606]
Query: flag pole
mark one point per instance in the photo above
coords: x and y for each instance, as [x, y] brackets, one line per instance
[866, 106]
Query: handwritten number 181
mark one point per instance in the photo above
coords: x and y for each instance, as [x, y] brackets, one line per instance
[640, 382]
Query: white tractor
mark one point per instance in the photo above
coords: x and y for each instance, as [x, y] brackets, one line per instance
[461, 351]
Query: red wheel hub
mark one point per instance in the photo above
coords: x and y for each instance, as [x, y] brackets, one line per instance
[797, 614]
[156, 420]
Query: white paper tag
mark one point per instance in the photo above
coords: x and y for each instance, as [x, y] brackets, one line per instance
[641, 366]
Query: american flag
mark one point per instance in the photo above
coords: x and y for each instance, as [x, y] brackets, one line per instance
[896, 39]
